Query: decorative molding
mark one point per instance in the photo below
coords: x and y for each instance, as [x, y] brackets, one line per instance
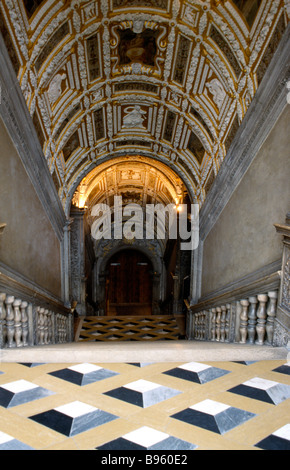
[17, 285]
[264, 279]
[264, 111]
[15, 115]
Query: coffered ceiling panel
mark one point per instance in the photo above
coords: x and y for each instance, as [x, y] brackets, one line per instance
[120, 79]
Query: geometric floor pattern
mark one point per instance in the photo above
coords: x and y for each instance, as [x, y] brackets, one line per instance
[145, 406]
[126, 328]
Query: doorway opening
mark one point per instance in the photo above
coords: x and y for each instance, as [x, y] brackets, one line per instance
[129, 284]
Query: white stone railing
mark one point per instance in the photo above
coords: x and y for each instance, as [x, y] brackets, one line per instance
[249, 320]
[25, 324]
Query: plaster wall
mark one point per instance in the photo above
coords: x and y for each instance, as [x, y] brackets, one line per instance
[28, 244]
[243, 240]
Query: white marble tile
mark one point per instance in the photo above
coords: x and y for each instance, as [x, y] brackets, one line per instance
[75, 409]
[210, 407]
[194, 366]
[260, 383]
[283, 432]
[142, 386]
[84, 368]
[5, 438]
[145, 436]
[19, 386]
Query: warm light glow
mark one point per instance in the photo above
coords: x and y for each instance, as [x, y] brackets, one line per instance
[178, 208]
[82, 201]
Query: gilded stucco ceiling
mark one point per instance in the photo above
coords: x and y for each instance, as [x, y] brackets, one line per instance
[166, 80]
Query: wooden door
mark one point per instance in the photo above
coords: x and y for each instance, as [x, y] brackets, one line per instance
[129, 284]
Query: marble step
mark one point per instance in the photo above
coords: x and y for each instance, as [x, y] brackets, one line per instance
[129, 328]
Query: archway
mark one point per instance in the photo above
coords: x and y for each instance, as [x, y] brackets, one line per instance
[129, 284]
[139, 182]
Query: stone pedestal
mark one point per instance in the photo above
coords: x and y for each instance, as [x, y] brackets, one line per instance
[282, 321]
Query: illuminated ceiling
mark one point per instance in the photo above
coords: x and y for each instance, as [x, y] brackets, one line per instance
[130, 79]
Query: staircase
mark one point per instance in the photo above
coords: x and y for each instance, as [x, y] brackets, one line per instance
[130, 328]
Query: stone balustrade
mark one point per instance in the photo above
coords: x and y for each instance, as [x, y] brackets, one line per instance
[26, 324]
[250, 320]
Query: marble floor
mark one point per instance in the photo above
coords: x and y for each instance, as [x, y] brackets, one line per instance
[114, 406]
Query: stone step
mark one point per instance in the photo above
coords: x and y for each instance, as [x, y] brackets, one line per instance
[130, 328]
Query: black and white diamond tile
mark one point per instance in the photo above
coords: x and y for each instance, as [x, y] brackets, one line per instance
[140, 364]
[147, 438]
[213, 416]
[31, 364]
[263, 390]
[8, 442]
[73, 418]
[83, 374]
[245, 363]
[278, 440]
[284, 369]
[20, 392]
[142, 393]
[196, 372]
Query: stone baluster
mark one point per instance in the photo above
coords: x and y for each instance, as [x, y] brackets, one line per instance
[2, 320]
[213, 323]
[197, 326]
[40, 326]
[200, 325]
[24, 322]
[228, 323]
[50, 328]
[244, 321]
[45, 327]
[218, 323]
[252, 319]
[10, 321]
[223, 323]
[65, 325]
[203, 332]
[59, 329]
[271, 313]
[261, 319]
[17, 323]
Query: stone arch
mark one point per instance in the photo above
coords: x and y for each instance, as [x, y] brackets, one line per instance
[158, 278]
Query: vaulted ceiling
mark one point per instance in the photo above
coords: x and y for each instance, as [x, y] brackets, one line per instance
[114, 82]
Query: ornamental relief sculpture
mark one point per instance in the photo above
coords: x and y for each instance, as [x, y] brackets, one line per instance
[55, 87]
[285, 300]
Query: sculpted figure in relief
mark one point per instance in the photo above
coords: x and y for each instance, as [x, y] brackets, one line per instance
[54, 89]
[218, 93]
[134, 117]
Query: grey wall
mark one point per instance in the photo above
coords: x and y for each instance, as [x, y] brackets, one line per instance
[243, 239]
[28, 244]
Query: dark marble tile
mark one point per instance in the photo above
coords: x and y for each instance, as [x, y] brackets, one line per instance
[213, 416]
[73, 418]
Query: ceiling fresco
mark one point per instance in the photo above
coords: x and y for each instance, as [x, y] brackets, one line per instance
[112, 82]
